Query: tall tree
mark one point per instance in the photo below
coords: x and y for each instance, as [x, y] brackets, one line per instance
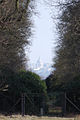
[15, 30]
[67, 61]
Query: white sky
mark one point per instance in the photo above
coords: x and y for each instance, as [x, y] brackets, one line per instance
[43, 40]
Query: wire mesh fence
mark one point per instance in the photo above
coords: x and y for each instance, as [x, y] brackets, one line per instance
[57, 104]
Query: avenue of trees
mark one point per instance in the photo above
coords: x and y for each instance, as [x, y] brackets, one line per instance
[15, 31]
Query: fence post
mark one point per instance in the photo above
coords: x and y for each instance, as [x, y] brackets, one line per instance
[42, 112]
[23, 104]
[64, 104]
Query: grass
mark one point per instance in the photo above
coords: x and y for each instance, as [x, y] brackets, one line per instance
[77, 117]
[19, 117]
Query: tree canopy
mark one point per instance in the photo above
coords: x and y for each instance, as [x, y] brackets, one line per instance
[27, 81]
[67, 56]
[66, 76]
[15, 31]
[29, 84]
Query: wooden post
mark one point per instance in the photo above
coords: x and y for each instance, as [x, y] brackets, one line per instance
[41, 107]
[23, 104]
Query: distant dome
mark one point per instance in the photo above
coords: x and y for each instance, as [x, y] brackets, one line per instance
[39, 63]
[42, 69]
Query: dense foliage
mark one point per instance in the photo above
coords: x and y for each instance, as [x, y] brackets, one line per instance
[67, 61]
[67, 54]
[15, 31]
[24, 82]
[28, 82]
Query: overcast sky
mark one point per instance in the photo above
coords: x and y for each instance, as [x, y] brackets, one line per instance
[44, 38]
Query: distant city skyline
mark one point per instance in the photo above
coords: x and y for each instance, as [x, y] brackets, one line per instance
[43, 40]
